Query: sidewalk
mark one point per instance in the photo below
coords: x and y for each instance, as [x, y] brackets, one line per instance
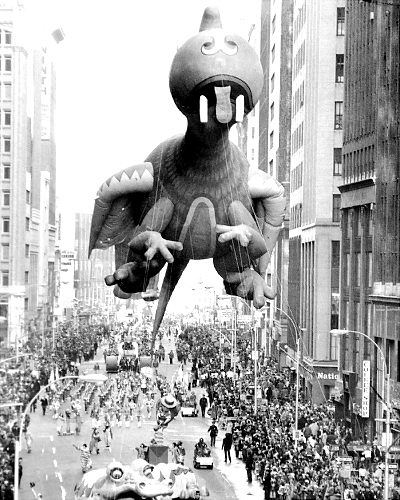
[234, 473]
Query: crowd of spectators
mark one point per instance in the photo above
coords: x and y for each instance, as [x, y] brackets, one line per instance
[311, 468]
[22, 377]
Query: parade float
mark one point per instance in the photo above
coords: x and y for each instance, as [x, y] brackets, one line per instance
[138, 481]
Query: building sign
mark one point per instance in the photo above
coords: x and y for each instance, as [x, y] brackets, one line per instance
[45, 95]
[327, 376]
[366, 382]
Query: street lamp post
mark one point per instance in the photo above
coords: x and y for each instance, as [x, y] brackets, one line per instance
[297, 331]
[84, 378]
[388, 407]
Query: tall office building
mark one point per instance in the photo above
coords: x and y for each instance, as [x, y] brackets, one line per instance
[274, 136]
[91, 292]
[315, 168]
[370, 191]
[27, 178]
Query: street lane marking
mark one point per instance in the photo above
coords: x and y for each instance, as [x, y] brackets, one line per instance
[51, 438]
[55, 463]
[63, 493]
[54, 450]
[42, 451]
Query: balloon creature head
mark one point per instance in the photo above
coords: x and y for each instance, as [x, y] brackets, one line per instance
[139, 481]
[222, 77]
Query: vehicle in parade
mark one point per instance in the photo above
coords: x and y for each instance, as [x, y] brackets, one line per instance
[189, 409]
[202, 456]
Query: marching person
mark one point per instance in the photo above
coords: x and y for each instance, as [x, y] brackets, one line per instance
[94, 441]
[86, 461]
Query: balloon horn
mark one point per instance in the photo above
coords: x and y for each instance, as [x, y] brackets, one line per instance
[211, 19]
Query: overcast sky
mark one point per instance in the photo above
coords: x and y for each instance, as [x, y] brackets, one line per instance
[113, 101]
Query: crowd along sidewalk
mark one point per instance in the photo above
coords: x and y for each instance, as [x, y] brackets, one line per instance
[235, 472]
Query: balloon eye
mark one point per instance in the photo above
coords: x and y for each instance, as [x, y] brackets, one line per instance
[116, 473]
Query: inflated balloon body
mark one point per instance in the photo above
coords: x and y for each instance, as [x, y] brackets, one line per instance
[194, 198]
[167, 481]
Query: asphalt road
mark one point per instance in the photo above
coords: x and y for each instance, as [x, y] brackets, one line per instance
[54, 464]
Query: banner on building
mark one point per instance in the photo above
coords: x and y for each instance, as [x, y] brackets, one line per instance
[366, 382]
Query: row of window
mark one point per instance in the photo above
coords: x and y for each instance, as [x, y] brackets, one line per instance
[354, 222]
[6, 224]
[5, 251]
[298, 138]
[299, 21]
[299, 59]
[360, 163]
[5, 278]
[355, 279]
[296, 215]
[296, 177]
[296, 212]
[5, 117]
[7, 198]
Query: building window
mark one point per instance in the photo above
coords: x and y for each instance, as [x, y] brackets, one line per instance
[272, 82]
[5, 251]
[5, 278]
[271, 140]
[272, 111]
[7, 63]
[273, 54]
[357, 268]
[348, 262]
[336, 208]
[27, 223]
[340, 21]
[338, 115]
[26, 250]
[7, 91]
[271, 167]
[7, 37]
[6, 171]
[26, 277]
[6, 199]
[6, 224]
[28, 196]
[369, 268]
[7, 118]
[273, 24]
[337, 161]
[339, 68]
[6, 144]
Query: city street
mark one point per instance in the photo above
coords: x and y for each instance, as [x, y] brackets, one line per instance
[53, 465]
